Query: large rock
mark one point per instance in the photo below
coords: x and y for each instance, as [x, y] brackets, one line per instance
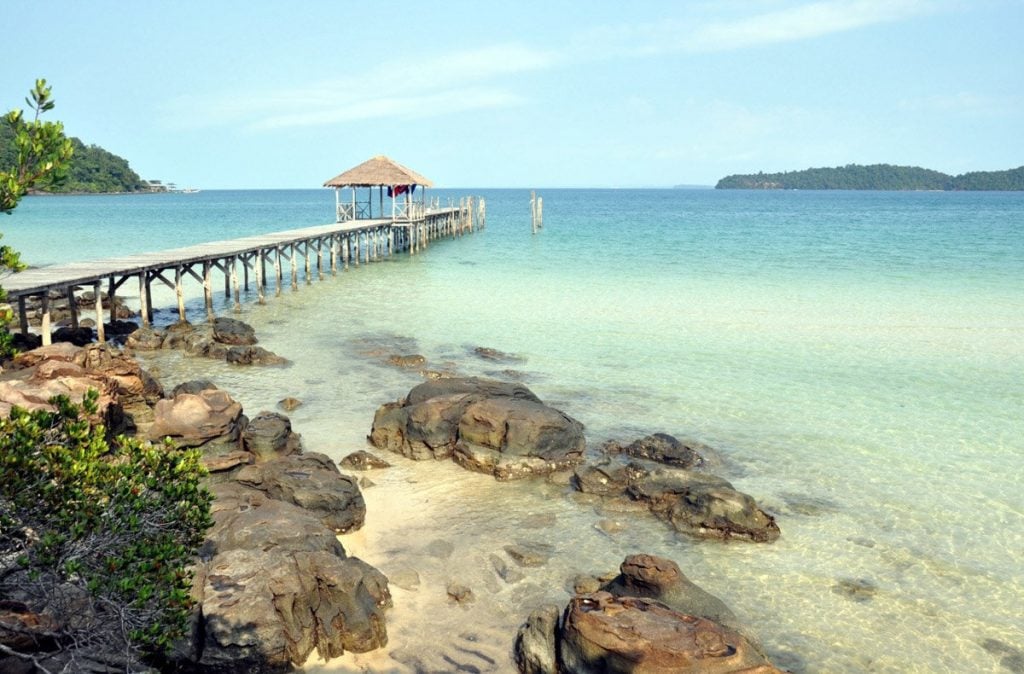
[490, 426]
[211, 419]
[663, 448]
[269, 435]
[661, 579]
[604, 634]
[312, 482]
[536, 649]
[695, 503]
[233, 331]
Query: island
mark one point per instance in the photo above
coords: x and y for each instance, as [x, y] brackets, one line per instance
[876, 177]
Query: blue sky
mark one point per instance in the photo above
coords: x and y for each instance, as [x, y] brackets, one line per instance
[526, 94]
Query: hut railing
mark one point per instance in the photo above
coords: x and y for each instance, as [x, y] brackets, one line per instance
[346, 212]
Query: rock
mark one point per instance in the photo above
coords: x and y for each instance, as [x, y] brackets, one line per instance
[535, 648]
[194, 419]
[120, 328]
[61, 351]
[405, 578]
[312, 482]
[459, 593]
[269, 435]
[194, 386]
[289, 404]
[490, 426]
[507, 573]
[530, 554]
[79, 336]
[256, 521]
[856, 589]
[694, 503]
[232, 331]
[631, 635]
[496, 356]
[252, 355]
[440, 548]
[663, 448]
[659, 578]
[145, 339]
[585, 584]
[267, 612]
[409, 361]
[363, 460]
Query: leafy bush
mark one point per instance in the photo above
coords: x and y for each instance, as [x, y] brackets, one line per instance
[96, 536]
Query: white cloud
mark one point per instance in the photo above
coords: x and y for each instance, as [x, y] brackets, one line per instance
[966, 103]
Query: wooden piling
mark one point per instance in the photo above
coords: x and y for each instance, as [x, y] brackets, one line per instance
[101, 335]
[179, 293]
[45, 325]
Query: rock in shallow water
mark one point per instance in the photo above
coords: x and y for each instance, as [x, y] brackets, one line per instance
[485, 425]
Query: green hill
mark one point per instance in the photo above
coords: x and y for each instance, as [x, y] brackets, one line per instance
[92, 168]
[875, 177]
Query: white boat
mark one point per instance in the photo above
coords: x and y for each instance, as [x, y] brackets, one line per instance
[190, 190]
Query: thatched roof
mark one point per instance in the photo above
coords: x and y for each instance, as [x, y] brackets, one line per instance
[378, 171]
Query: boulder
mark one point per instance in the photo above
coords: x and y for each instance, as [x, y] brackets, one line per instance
[363, 460]
[312, 482]
[232, 331]
[490, 426]
[145, 339]
[535, 648]
[663, 448]
[605, 634]
[694, 503]
[195, 419]
[659, 578]
[79, 336]
[193, 386]
[269, 435]
[252, 355]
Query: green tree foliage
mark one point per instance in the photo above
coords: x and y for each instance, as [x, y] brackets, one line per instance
[92, 169]
[97, 538]
[875, 177]
[40, 150]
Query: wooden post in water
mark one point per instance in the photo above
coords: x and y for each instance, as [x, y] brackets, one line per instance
[23, 316]
[295, 267]
[143, 299]
[533, 211]
[277, 271]
[309, 278]
[334, 254]
[208, 288]
[344, 251]
[234, 282]
[45, 326]
[540, 212]
[179, 293]
[261, 276]
[112, 289]
[101, 335]
[72, 306]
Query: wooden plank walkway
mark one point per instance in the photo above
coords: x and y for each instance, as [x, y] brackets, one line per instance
[350, 241]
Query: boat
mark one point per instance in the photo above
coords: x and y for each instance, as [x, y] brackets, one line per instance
[190, 190]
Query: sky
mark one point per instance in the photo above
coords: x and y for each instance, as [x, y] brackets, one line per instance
[224, 95]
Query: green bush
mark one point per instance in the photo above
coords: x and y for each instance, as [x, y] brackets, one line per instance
[98, 535]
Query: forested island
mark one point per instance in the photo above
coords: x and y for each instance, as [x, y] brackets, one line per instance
[876, 177]
[91, 170]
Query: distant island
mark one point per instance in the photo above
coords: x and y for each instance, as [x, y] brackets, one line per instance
[93, 170]
[876, 177]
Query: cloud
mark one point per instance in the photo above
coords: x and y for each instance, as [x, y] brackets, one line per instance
[429, 86]
[965, 103]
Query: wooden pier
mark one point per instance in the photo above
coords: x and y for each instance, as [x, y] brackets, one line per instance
[343, 243]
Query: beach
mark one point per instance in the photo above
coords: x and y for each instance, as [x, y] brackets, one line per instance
[855, 359]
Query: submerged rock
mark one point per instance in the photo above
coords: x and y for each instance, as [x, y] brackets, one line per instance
[363, 460]
[694, 503]
[663, 448]
[485, 425]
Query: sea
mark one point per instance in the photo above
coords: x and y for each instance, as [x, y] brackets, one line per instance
[855, 360]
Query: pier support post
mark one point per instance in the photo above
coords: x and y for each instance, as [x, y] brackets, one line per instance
[309, 278]
[261, 276]
[101, 334]
[295, 268]
[208, 288]
[23, 316]
[334, 255]
[234, 283]
[45, 327]
[277, 271]
[144, 299]
[227, 279]
[319, 259]
[355, 249]
[72, 306]
[180, 293]
[112, 289]
[344, 251]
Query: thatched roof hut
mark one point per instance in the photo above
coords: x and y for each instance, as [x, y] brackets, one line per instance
[379, 171]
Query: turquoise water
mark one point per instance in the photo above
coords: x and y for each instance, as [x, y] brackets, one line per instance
[857, 358]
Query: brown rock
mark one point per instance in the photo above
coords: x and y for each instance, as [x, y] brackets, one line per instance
[193, 419]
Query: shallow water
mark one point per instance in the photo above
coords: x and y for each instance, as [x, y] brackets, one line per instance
[858, 360]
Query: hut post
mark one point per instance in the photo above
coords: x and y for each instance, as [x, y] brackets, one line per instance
[179, 293]
[355, 247]
[337, 204]
[44, 328]
[101, 335]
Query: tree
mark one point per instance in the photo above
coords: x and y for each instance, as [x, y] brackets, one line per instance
[42, 152]
[96, 540]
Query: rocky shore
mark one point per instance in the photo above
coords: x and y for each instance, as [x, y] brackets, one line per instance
[274, 585]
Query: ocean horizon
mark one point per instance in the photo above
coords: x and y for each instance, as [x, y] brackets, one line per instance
[855, 359]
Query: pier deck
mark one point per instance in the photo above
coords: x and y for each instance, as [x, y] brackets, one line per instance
[349, 241]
